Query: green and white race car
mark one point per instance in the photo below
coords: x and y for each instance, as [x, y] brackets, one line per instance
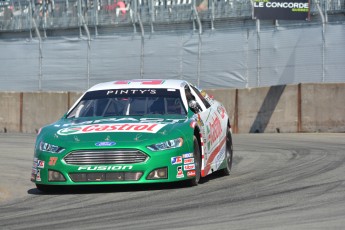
[135, 132]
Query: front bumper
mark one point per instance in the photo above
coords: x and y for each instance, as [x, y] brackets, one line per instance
[162, 166]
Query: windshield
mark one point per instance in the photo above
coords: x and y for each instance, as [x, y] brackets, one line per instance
[129, 102]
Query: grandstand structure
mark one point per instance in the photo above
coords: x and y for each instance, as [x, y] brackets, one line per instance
[73, 44]
[153, 15]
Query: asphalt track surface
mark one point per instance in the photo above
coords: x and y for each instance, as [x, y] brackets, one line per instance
[278, 181]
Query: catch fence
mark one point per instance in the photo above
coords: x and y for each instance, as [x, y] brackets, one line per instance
[73, 44]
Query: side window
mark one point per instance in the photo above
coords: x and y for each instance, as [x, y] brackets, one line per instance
[204, 101]
[188, 93]
[190, 97]
[84, 109]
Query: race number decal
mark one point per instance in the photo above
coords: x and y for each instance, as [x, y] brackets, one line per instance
[52, 161]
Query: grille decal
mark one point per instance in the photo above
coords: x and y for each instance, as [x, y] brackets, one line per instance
[97, 157]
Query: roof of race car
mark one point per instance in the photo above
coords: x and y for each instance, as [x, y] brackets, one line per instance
[140, 83]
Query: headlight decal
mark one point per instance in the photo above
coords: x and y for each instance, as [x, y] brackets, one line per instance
[46, 147]
[170, 144]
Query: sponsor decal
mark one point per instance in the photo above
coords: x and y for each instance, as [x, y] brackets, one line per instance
[192, 124]
[213, 155]
[34, 163]
[40, 164]
[204, 140]
[176, 160]
[52, 161]
[188, 161]
[38, 175]
[220, 156]
[131, 91]
[121, 120]
[199, 120]
[215, 130]
[221, 111]
[179, 172]
[203, 93]
[105, 143]
[187, 155]
[103, 128]
[105, 168]
[33, 173]
[191, 173]
[189, 167]
[207, 97]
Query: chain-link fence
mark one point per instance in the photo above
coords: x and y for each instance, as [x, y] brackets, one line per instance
[19, 15]
[217, 46]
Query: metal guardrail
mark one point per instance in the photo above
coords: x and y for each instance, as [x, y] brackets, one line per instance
[52, 14]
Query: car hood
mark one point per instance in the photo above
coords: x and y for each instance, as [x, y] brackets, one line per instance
[119, 131]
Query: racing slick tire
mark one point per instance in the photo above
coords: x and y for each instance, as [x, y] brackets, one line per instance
[197, 161]
[228, 155]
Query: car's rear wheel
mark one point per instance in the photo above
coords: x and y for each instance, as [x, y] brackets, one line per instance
[228, 155]
[197, 161]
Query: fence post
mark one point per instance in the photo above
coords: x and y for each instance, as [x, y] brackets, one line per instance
[199, 43]
[258, 52]
[40, 57]
[324, 21]
[142, 46]
[299, 108]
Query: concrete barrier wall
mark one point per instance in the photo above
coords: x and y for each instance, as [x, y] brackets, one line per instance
[10, 110]
[41, 108]
[73, 97]
[285, 108]
[259, 110]
[269, 109]
[323, 107]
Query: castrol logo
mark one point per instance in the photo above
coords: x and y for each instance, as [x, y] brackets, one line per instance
[215, 130]
[106, 128]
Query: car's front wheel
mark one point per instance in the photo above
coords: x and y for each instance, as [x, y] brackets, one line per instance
[197, 161]
[228, 155]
